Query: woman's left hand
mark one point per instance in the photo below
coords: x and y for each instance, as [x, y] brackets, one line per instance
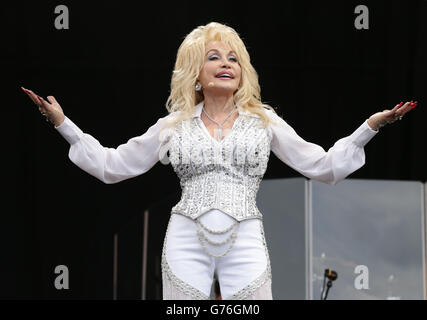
[380, 119]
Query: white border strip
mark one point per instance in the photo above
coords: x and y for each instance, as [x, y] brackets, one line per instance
[115, 255]
[424, 229]
[144, 257]
[308, 240]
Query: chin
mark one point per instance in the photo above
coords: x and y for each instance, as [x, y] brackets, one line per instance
[221, 86]
[224, 89]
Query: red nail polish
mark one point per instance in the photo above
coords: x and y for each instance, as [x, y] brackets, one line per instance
[414, 106]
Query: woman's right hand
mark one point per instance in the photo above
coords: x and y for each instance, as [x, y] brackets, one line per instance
[52, 110]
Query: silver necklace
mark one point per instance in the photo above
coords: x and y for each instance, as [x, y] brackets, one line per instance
[219, 133]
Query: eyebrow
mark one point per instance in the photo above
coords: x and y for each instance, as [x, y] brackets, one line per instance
[218, 51]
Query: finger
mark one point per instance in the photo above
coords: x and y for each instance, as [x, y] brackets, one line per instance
[25, 90]
[402, 110]
[407, 104]
[28, 92]
[44, 103]
[397, 106]
[411, 106]
[51, 99]
[33, 97]
[408, 107]
[393, 111]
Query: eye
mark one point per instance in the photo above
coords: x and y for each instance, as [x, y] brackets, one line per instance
[233, 59]
[212, 58]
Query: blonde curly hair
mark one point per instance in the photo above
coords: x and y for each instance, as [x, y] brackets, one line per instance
[189, 62]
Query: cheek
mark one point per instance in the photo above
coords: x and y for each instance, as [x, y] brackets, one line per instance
[239, 72]
[240, 76]
[209, 68]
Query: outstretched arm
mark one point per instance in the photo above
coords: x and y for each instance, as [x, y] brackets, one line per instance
[311, 160]
[343, 158]
[110, 165]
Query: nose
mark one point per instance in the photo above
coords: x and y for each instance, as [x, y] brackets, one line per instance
[225, 63]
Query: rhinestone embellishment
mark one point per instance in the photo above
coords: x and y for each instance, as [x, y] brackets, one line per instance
[221, 175]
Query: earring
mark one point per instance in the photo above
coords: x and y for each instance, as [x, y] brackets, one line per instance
[198, 86]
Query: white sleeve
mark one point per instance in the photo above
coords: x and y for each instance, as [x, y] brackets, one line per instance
[112, 165]
[343, 158]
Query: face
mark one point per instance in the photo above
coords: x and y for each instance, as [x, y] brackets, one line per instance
[220, 59]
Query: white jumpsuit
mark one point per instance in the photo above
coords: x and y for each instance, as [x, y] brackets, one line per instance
[194, 247]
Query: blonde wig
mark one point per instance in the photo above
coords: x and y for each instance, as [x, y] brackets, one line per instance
[189, 62]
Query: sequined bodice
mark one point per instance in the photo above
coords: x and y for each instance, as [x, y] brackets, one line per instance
[222, 175]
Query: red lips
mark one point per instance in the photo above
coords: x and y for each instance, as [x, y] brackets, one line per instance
[225, 72]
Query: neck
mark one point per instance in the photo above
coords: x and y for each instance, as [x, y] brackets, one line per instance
[218, 106]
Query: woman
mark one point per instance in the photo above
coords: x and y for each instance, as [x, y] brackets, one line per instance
[219, 135]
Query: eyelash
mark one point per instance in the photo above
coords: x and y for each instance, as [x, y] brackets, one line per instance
[212, 58]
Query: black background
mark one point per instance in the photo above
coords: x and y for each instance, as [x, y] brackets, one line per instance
[111, 73]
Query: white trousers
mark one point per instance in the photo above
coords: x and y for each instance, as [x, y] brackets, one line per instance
[188, 269]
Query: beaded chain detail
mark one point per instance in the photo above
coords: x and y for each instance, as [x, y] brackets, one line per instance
[203, 238]
[216, 231]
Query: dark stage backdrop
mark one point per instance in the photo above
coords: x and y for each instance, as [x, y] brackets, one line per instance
[111, 70]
